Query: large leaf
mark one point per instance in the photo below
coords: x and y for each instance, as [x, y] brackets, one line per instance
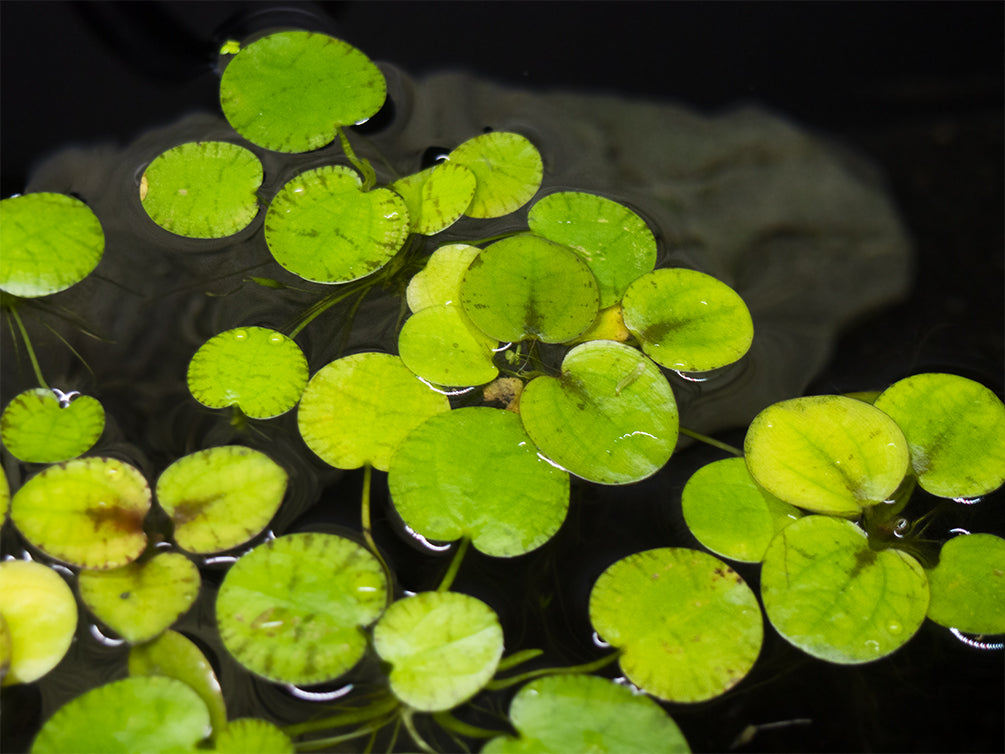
[358, 409]
[288, 91]
[826, 454]
[474, 472]
[140, 600]
[566, 713]
[38, 427]
[688, 626]
[436, 197]
[443, 648]
[323, 227]
[615, 242]
[508, 169]
[220, 498]
[610, 417]
[149, 714]
[88, 512]
[828, 593]
[293, 609]
[528, 287]
[49, 242]
[439, 282]
[202, 189]
[39, 615]
[955, 428]
[687, 320]
[968, 585]
[441, 345]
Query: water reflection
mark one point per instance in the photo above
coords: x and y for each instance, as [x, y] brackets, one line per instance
[318, 696]
[976, 641]
[102, 639]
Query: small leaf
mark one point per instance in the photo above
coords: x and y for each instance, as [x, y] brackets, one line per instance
[610, 417]
[955, 428]
[323, 227]
[436, 197]
[688, 626]
[828, 593]
[528, 287]
[439, 282]
[140, 600]
[473, 472]
[202, 189]
[36, 427]
[968, 585]
[167, 716]
[87, 512]
[826, 454]
[508, 168]
[39, 613]
[729, 514]
[288, 91]
[443, 648]
[293, 609]
[174, 656]
[687, 320]
[615, 242]
[249, 735]
[441, 345]
[49, 243]
[259, 370]
[566, 713]
[219, 498]
[358, 409]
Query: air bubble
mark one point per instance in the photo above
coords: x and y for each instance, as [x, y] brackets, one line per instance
[240, 334]
[894, 628]
[276, 338]
[872, 645]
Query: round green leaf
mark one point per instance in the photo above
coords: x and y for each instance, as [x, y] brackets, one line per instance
[4, 495]
[968, 585]
[826, 453]
[220, 498]
[323, 227]
[293, 609]
[38, 427]
[473, 472]
[259, 370]
[87, 512]
[508, 169]
[436, 197]
[249, 735]
[40, 617]
[174, 656]
[610, 417]
[688, 626]
[357, 410]
[49, 242]
[528, 287]
[439, 282]
[687, 320]
[566, 713]
[443, 648]
[955, 428]
[148, 713]
[729, 514]
[441, 345]
[202, 189]
[289, 91]
[140, 600]
[828, 593]
[615, 242]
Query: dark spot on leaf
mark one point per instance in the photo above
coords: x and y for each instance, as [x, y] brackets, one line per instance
[116, 517]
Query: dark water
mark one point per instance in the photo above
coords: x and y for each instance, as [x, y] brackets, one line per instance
[916, 88]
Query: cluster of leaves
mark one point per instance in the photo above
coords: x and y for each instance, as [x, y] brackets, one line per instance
[524, 360]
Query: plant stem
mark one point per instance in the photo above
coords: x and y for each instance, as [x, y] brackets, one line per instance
[27, 344]
[365, 516]
[461, 728]
[711, 441]
[381, 707]
[363, 166]
[320, 307]
[324, 743]
[455, 564]
[406, 717]
[518, 658]
[589, 667]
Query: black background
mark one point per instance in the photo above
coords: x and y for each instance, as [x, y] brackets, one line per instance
[916, 86]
